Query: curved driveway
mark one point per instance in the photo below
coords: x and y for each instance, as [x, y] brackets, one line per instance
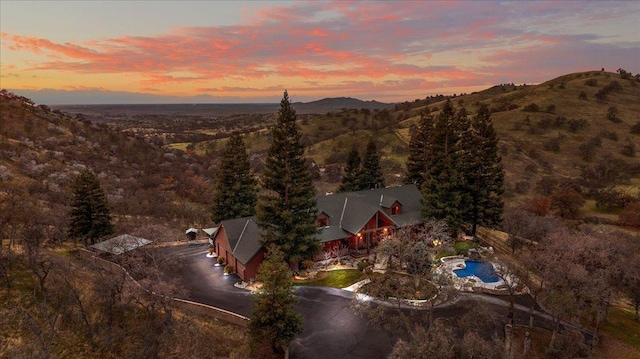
[331, 328]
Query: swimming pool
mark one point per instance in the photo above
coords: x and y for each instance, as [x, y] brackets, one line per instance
[482, 270]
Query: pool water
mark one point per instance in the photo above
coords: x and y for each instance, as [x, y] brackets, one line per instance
[482, 270]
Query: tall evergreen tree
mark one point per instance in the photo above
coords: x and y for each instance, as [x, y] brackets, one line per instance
[236, 192]
[351, 180]
[483, 171]
[443, 189]
[274, 322]
[371, 174]
[89, 217]
[287, 210]
[419, 151]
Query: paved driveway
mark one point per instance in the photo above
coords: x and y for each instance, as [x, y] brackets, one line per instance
[331, 328]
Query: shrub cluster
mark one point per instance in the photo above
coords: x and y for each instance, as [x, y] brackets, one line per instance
[612, 86]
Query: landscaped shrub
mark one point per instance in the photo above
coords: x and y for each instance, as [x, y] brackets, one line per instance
[220, 260]
[363, 264]
[229, 269]
[462, 247]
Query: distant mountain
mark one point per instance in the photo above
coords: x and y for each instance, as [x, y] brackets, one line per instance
[94, 97]
[323, 106]
[338, 103]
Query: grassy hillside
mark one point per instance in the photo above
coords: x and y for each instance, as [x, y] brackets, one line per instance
[549, 133]
[551, 130]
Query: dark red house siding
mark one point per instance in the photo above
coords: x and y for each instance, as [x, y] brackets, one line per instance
[224, 250]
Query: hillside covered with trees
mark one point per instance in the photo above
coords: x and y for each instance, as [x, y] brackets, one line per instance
[563, 153]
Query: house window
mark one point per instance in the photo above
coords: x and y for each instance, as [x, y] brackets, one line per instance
[395, 209]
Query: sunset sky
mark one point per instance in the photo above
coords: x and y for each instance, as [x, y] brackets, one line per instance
[64, 52]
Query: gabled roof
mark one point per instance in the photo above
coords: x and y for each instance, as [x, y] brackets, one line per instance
[210, 231]
[355, 215]
[349, 212]
[243, 235]
[331, 233]
[349, 209]
[387, 201]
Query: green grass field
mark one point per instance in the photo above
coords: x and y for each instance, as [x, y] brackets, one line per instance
[336, 278]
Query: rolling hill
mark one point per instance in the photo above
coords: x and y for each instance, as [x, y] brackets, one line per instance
[549, 133]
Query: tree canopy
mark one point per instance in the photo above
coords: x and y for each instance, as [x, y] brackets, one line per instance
[287, 209]
[464, 177]
[351, 179]
[274, 322]
[371, 173]
[236, 192]
[484, 173]
[419, 151]
[89, 217]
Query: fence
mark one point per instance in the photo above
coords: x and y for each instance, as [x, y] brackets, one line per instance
[193, 307]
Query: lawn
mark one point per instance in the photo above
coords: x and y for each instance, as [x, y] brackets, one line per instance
[336, 278]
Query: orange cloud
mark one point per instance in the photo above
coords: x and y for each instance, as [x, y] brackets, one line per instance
[339, 46]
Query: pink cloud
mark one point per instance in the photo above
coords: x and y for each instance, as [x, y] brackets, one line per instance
[356, 45]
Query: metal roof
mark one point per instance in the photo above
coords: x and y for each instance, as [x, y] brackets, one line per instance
[349, 212]
[210, 231]
[244, 236]
[121, 244]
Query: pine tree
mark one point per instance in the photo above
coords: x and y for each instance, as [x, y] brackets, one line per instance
[351, 180]
[89, 217]
[274, 322]
[419, 150]
[443, 189]
[371, 174]
[287, 210]
[483, 171]
[236, 192]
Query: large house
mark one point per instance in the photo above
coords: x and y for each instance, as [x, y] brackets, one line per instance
[351, 220]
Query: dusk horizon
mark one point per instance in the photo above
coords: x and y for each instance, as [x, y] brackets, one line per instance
[250, 52]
